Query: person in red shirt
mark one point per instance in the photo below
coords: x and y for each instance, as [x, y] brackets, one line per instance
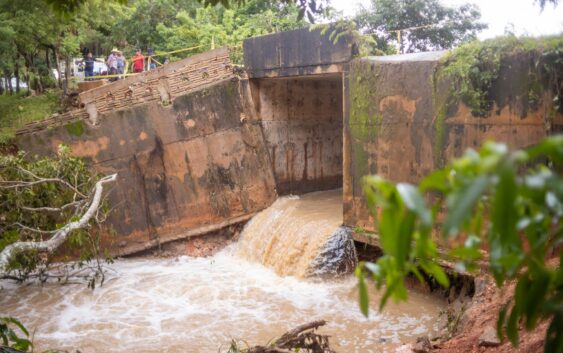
[138, 62]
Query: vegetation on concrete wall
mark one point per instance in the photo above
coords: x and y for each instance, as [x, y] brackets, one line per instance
[473, 68]
[365, 118]
[479, 200]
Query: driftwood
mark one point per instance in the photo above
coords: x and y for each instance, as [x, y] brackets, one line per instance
[302, 337]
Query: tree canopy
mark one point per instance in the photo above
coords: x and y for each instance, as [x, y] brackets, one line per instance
[35, 39]
[425, 25]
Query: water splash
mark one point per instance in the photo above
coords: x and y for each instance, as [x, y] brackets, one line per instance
[301, 236]
[199, 304]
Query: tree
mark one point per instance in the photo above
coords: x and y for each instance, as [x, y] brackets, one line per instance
[43, 203]
[226, 27]
[484, 201]
[418, 25]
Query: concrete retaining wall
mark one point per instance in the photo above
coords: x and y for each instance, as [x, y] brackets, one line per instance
[396, 125]
[184, 168]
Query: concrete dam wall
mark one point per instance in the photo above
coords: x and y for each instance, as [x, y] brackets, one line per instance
[189, 165]
[198, 147]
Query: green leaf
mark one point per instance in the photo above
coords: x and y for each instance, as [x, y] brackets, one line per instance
[554, 336]
[512, 327]
[535, 297]
[414, 201]
[504, 215]
[437, 272]
[551, 147]
[363, 292]
[461, 203]
[437, 180]
[11, 320]
[500, 322]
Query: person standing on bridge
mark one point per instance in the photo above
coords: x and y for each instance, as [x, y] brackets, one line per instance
[138, 61]
[112, 63]
[121, 63]
[150, 54]
[88, 62]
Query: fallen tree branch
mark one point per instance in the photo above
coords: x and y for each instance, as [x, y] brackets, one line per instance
[53, 209]
[61, 234]
[302, 339]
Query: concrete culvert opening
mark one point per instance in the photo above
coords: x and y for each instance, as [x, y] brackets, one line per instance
[302, 121]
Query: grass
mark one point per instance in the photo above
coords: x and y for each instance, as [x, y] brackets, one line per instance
[18, 110]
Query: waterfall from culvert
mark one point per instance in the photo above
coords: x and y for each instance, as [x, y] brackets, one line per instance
[301, 236]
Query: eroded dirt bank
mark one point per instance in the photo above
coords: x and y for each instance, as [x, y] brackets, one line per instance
[481, 316]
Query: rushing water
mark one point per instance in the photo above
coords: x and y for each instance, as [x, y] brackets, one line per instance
[199, 304]
[298, 235]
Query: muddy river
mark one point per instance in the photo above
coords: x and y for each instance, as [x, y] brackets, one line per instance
[199, 304]
[191, 304]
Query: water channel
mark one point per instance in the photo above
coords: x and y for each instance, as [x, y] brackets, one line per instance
[189, 304]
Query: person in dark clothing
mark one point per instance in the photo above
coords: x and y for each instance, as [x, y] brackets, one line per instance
[89, 66]
[85, 52]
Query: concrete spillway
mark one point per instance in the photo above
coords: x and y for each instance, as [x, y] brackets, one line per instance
[301, 236]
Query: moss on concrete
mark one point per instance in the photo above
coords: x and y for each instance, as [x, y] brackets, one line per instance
[75, 128]
[365, 118]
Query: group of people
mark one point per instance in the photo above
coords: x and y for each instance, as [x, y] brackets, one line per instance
[117, 63]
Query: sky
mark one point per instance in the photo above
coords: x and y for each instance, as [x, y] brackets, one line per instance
[524, 16]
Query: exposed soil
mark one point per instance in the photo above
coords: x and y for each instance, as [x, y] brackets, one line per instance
[481, 314]
[200, 246]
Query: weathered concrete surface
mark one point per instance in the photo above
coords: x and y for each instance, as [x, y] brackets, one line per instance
[398, 125]
[296, 53]
[302, 124]
[189, 166]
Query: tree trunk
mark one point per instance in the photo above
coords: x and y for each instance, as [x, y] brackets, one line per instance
[17, 74]
[47, 59]
[9, 81]
[67, 73]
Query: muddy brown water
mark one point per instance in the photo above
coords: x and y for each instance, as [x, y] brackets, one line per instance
[288, 235]
[199, 304]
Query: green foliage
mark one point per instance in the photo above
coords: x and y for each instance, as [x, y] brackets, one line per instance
[217, 26]
[9, 336]
[75, 128]
[428, 25]
[510, 202]
[40, 195]
[13, 334]
[17, 110]
[34, 37]
[474, 67]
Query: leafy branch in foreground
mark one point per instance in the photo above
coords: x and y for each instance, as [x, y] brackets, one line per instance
[9, 337]
[510, 202]
[43, 203]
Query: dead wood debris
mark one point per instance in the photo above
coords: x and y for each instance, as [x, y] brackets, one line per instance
[302, 338]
